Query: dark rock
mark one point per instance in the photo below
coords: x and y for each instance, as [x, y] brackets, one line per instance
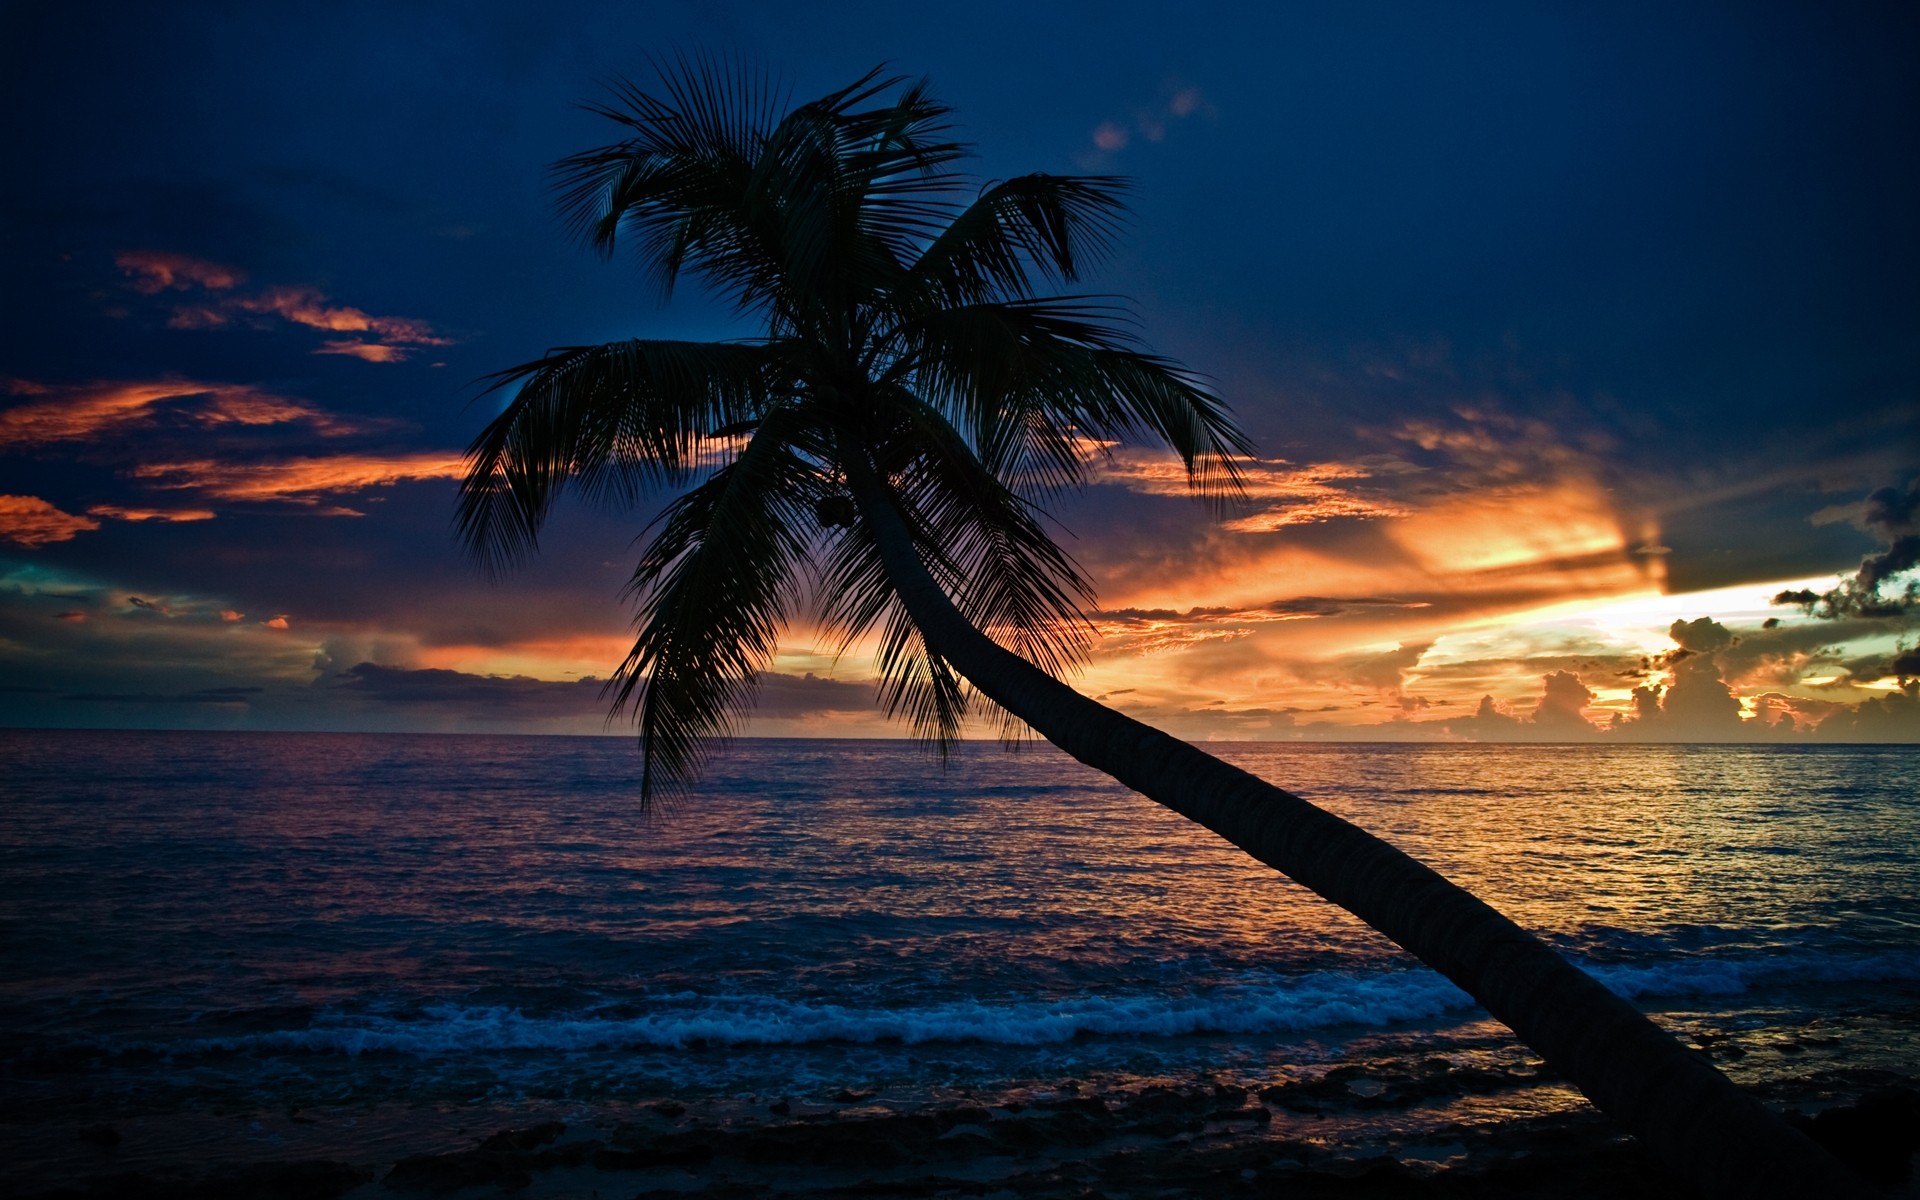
[104, 1136]
[438, 1173]
[965, 1114]
[291, 1181]
[1877, 1136]
[524, 1139]
[285, 1181]
[667, 1153]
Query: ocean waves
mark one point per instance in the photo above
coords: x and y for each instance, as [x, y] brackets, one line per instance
[1250, 1004]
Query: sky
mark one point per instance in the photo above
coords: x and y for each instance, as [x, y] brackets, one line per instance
[1580, 345]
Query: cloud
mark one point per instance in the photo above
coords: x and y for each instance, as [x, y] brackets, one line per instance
[310, 307]
[32, 522]
[1892, 515]
[1558, 716]
[1383, 671]
[1151, 122]
[390, 339]
[504, 700]
[86, 411]
[155, 271]
[303, 481]
[1152, 630]
[1703, 635]
[1563, 705]
[150, 514]
[374, 352]
[1284, 493]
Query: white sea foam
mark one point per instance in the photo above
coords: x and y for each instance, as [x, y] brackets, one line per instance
[1252, 1005]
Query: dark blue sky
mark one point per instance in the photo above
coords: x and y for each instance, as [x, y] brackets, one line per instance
[1666, 251]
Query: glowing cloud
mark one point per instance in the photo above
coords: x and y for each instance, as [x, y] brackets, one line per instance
[374, 352]
[77, 413]
[150, 514]
[310, 307]
[393, 338]
[154, 271]
[1288, 494]
[301, 480]
[32, 522]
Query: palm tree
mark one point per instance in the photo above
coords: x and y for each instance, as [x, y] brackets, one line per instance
[882, 448]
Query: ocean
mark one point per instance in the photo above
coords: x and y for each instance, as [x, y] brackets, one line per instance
[326, 945]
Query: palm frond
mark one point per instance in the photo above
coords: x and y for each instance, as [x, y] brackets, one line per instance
[987, 549]
[1039, 385]
[604, 418]
[713, 588]
[1055, 225]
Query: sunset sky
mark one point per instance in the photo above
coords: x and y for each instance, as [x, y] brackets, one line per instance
[1570, 337]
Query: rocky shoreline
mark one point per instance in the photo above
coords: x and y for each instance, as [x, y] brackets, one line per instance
[1161, 1139]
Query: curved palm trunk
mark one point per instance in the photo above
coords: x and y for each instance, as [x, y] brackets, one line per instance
[1692, 1117]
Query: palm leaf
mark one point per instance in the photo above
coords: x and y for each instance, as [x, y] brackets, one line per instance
[1040, 384]
[607, 418]
[714, 587]
[1056, 225]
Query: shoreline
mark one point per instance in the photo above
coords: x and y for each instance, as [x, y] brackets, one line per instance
[1347, 1132]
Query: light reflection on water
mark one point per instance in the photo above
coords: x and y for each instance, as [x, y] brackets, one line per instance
[369, 916]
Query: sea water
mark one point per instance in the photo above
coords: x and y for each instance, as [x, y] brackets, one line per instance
[243, 924]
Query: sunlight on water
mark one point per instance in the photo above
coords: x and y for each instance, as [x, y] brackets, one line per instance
[291, 919]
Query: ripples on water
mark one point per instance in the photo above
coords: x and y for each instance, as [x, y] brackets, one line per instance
[288, 920]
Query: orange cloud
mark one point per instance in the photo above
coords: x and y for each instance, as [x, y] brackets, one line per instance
[154, 271]
[1287, 494]
[309, 306]
[1150, 631]
[230, 615]
[375, 352]
[1566, 526]
[31, 522]
[87, 410]
[301, 480]
[150, 514]
[279, 622]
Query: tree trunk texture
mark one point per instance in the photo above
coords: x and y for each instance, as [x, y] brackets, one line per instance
[1690, 1115]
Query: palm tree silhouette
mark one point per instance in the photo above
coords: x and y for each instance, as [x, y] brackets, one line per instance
[883, 446]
